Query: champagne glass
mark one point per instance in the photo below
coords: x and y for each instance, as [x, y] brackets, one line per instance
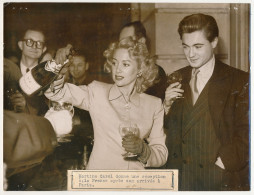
[127, 129]
[9, 92]
[12, 89]
[58, 106]
[173, 78]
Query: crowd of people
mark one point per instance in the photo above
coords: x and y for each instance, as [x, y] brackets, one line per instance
[198, 125]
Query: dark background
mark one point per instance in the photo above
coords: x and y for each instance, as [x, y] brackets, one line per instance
[89, 27]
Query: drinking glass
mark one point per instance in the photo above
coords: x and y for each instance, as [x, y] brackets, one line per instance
[126, 129]
[9, 92]
[174, 77]
[58, 106]
[12, 89]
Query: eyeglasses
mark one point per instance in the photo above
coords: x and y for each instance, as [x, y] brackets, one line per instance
[31, 42]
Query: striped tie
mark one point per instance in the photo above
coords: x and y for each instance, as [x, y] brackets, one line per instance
[193, 85]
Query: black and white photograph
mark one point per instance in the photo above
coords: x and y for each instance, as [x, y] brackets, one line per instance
[126, 96]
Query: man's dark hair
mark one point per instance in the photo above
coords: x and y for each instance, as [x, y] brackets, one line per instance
[196, 22]
[32, 27]
[82, 53]
[139, 29]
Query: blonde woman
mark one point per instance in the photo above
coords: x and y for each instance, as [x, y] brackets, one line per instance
[111, 105]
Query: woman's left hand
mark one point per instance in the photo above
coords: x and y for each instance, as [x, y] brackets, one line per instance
[133, 144]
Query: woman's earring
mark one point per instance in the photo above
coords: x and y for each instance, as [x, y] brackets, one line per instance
[139, 74]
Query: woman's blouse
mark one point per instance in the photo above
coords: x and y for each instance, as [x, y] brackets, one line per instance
[108, 109]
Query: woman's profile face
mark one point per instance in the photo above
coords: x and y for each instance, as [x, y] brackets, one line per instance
[124, 68]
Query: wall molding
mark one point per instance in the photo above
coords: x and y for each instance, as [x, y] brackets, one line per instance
[149, 16]
[182, 56]
[192, 10]
[239, 36]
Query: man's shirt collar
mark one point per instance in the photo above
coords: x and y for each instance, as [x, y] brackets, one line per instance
[206, 70]
[23, 68]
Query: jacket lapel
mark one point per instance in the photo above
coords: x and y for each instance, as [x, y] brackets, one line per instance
[186, 101]
[175, 117]
[219, 89]
[196, 111]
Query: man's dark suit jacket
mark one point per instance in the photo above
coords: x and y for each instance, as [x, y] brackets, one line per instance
[228, 99]
[36, 105]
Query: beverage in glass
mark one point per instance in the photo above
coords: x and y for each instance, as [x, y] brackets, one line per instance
[129, 129]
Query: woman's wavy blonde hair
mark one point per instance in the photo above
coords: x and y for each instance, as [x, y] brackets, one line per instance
[139, 52]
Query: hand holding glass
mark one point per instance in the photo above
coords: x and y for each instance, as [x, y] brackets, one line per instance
[129, 130]
[18, 101]
[174, 88]
[14, 99]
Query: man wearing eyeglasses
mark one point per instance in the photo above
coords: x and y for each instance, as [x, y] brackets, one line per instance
[32, 45]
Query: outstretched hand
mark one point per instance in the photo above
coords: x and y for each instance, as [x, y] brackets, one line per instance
[62, 54]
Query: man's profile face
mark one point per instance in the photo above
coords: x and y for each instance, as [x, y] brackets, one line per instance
[32, 52]
[197, 48]
[127, 32]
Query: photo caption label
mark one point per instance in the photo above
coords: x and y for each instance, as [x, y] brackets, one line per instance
[166, 179]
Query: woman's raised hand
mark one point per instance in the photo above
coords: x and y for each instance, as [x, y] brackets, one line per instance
[62, 54]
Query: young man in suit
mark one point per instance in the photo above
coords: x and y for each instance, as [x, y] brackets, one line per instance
[208, 129]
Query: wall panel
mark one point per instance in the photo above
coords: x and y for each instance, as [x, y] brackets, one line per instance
[161, 21]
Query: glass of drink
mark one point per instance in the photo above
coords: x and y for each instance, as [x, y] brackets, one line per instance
[174, 77]
[127, 129]
[58, 106]
[11, 90]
